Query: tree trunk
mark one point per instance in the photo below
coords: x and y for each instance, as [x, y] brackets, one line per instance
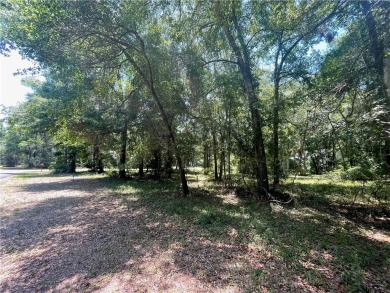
[221, 164]
[377, 51]
[222, 155]
[215, 156]
[229, 148]
[72, 162]
[149, 80]
[276, 160]
[243, 61]
[141, 168]
[122, 155]
[315, 165]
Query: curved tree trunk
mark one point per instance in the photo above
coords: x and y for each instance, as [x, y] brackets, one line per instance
[148, 78]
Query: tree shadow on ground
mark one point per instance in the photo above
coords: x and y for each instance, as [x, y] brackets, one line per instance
[80, 241]
[30, 226]
[154, 239]
[247, 244]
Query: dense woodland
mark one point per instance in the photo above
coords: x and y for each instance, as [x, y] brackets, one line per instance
[260, 90]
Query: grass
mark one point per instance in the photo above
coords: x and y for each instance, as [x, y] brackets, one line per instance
[294, 248]
[223, 241]
[333, 189]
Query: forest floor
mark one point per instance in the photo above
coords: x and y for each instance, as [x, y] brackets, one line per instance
[94, 234]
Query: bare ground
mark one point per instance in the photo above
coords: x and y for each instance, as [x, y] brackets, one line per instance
[63, 235]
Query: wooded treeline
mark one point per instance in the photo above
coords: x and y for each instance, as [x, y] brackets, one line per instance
[260, 88]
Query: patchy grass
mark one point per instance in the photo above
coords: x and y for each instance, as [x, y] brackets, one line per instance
[331, 188]
[365, 203]
[32, 174]
[92, 233]
[300, 249]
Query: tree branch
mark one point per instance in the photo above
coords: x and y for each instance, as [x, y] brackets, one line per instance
[219, 60]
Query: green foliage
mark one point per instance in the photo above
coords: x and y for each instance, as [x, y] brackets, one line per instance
[148, 82]
[58, 165]
[358, 173]
[156, 83]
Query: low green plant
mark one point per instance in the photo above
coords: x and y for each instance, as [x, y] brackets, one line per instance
[292, 238]
[358, 173]
[112, 173]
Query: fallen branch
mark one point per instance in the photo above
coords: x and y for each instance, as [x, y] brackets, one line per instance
[272, 199]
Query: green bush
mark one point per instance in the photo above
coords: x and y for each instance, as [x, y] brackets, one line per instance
[58, 166]
[358, 173]
[112, 173]
[207, 171]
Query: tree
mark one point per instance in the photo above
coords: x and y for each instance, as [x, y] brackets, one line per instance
[25, 139]
[104, 35]
[228, 17]
[287, 30]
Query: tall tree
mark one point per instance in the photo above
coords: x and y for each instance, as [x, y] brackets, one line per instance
[230, 18]
[102, 34]
[287, 30]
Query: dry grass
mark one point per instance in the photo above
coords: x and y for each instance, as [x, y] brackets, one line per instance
[92, 234]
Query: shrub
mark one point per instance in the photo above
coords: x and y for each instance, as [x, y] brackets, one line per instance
[358, 173]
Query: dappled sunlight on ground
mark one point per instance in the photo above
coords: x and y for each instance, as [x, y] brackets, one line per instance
[67, 234]
[381, 236]
[90, 234]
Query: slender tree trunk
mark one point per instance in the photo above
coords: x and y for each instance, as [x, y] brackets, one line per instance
[215, 156]
[315, 165]
[72, 162]
[377, 51]
[141, 168]
[122, 155]
[221, 164]
[149, 80]
[276, 160]
[243, 61]
[222, 156]
[229, 148]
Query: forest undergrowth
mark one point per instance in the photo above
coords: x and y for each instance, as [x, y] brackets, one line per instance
[334, 237]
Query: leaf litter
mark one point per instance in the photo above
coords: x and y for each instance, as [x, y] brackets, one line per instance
[60, 234]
